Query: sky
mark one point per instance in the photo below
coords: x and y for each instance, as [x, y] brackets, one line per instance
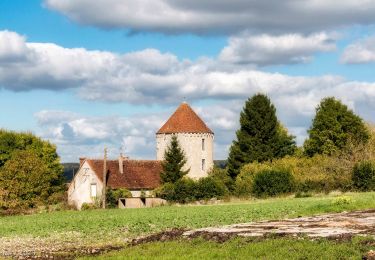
[108, 73]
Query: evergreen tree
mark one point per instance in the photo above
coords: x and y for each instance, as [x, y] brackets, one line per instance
[174, 161]
[333, 127]
[260, 137]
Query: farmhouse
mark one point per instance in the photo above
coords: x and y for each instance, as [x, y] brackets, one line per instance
[141, 177]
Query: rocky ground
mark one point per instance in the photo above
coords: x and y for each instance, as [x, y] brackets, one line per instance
[333, 226]
[345, 224]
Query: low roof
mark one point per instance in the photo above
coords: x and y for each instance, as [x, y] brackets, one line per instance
[184, 120]
[137, 174]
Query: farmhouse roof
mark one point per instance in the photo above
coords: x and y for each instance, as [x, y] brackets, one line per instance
[184, 120]
[137, 174]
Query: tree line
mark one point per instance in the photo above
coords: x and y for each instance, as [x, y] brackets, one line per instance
[264, 157]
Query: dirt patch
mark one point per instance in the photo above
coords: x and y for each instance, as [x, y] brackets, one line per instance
[162, 236]
[338, 226]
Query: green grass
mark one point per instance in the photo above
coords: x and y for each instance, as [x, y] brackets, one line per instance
[111, 225]
[280, 248]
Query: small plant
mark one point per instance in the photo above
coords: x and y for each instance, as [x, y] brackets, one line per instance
[88, 206]
[301, 194]
[363, 176]
[272, 183]
[343, 200]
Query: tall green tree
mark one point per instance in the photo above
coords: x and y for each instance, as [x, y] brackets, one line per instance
[333, 127]
[174, 161]
[260, 137]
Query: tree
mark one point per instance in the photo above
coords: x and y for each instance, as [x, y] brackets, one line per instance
[11, 142]
[26, 181]
[260, 137]
[333, 128]
[174, 161]
[25, 160]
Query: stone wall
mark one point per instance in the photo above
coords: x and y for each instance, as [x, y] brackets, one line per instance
[192, 146]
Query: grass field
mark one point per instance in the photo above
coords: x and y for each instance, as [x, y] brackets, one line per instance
[280, 248]
[115, 225]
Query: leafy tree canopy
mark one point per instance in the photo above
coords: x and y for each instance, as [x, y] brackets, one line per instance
[333, 127]
[174, 161]
[30, 170]
[261, 137]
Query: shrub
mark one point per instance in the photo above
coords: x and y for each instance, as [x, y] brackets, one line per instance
[182, 191]
[222, 176]
[88, 206]
[207, 188]
[244, 181]
[300, 194]
[343, 200]
[363, 176]
[113, 195]
[271, 183]
[187, 190]
[318, 173]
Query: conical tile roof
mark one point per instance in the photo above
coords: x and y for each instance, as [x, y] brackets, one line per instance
[184, 120]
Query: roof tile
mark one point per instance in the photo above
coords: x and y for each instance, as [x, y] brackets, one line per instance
[138, 174]
[184, 120]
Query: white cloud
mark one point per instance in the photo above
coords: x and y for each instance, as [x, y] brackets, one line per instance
[360, 52]
[78, 135]
[269, 50]
[12, 47]
[217, 16]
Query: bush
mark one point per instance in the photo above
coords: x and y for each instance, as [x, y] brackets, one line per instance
[187, 190]
[88, 206]
[207, 188]
[272, 183]
[343, 200]
[300, 194]
[363, 176]
[182, 191]
[244, 181]
[222, 176]
[113, 195]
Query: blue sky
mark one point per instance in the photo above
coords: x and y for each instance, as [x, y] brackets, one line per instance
[86, 75]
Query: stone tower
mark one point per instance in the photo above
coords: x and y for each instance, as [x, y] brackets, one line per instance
[195, 138]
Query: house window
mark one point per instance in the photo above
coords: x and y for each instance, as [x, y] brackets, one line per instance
[203, 144]
[93, 190]
[203, 164]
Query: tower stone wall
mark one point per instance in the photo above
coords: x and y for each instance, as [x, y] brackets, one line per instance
[198, 149]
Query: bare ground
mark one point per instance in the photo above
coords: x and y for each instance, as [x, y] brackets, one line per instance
[339, 226]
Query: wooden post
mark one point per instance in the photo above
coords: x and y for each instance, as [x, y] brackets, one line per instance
[104, 178]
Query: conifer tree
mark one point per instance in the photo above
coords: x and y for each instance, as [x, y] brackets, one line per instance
[260, 137]
[174, 161]
[333, 127]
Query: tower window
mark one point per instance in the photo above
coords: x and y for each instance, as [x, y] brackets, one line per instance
[203, 144]
[203, 164]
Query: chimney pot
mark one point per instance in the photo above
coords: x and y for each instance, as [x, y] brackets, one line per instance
[121, 164]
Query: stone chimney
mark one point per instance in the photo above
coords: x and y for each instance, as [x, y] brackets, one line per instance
[81, 161]
[121, 163]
